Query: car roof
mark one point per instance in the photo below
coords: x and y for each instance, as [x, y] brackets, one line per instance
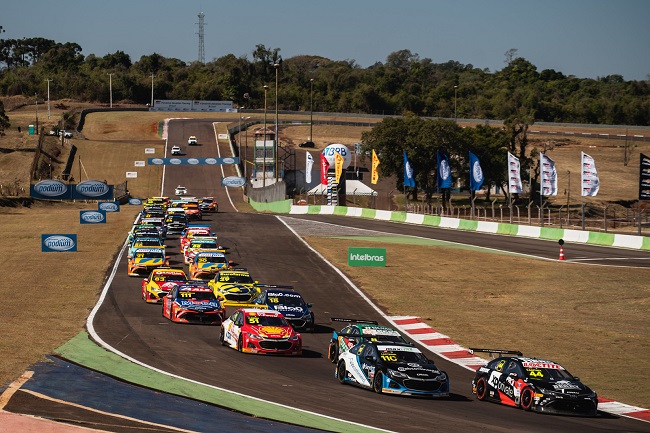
[260, 311]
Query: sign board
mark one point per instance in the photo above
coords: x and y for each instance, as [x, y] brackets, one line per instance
[149, 150]
[92, 216]
[233, 181]
[192, 161]
[109, 206]
[57, 190]
[366, 256]
[222, 136]
[131, 174]
[139, 163]
[58, 243]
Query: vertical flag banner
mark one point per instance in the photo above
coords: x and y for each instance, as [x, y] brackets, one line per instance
[374, 175]
[644, 178]
[338, 166]
[514, 175]
[408, 173]
[548, 175]
[475, 173]
[589, 176]
[324, 166]
[310, 164]
[444, 171]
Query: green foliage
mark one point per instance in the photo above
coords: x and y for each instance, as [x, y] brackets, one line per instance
[4, 120]
[405, 83]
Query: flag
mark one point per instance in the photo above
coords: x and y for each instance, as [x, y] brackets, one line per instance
[644, 178]
[475, 173]
[338, 166]
[444, 171]
[408, 172]
[374, 175]
[324, 166]
[514, 175]
[548, 175]
[589, 176]
[310, 164]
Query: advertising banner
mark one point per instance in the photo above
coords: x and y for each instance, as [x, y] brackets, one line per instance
[444, 171]
[475, 173]
[57, 190]
[192, 161]
[109, 206]
[644, 178]
[366, 256]
[548, 175]
[58, 243]
[375, 163]
[92, 217]
[514, 175]
[589, 176]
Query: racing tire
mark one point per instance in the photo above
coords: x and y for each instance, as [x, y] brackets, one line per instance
[240, 344]
[526, 401]
[378, 383]
[481, 388]
[341, 373]
[333, 353]
[221, 337]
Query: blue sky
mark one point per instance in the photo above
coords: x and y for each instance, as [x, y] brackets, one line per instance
[584, 38]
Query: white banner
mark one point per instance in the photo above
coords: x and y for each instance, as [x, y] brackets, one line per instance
[589, 176]
[131, 174]
[139, 163]
[548, 175]
[514, 175]
[310, 164]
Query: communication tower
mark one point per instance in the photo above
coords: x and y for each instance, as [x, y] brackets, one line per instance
[201, 37]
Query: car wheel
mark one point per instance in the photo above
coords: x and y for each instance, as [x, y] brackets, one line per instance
[240, 344]
[378, 382]
[333, 353]
[221, 337]
[526, 401]
[481, 388]
[341, 373]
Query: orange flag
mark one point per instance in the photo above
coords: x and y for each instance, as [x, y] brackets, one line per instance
[374, 175]
[338, 165]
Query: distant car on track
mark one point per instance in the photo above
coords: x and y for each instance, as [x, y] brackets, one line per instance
[357, 331]
[532, 384]
[180, 190]
[192, 141]
[176, 150]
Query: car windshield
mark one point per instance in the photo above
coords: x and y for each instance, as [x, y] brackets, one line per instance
[548, 374]
[403, 356]
[146, 243]
[197, 296]
[266, 320]
[286, 299]
[148, 255]
[239, 279]
[169, 277]
[211, 259]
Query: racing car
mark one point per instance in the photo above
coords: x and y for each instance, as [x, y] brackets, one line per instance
[175, 223]
[235, 287]
[180, 190]
[357, 331]
[260, 331]
[206, 263]
[160, 282]
[393, 368]
[532, 384]
[208, 204]
[145, 260]
[176, 150]
[144, 242]
[192, 141]
[197, 244]
[193, 303]
[290, 304]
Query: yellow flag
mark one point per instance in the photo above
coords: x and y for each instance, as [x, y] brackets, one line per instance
[338, 165]
[374, 175]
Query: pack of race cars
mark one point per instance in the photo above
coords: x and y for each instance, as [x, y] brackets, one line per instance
[268, 319]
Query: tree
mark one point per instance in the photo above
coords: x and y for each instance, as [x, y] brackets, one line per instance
[4, 120]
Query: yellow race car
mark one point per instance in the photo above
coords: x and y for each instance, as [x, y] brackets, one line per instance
[160, 282]
[234, 287]
[206, 263]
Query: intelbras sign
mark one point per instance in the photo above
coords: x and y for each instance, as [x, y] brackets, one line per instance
[58, 243]
[366, 256]
[57, 190]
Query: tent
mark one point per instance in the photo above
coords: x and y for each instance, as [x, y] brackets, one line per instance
[352, 188]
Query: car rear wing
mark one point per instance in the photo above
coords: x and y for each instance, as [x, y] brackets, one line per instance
[494, 352]
[342, 319]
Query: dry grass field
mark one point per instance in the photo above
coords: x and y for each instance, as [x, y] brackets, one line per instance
[593, 320]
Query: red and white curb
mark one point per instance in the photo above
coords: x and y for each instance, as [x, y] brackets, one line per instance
[446, 348]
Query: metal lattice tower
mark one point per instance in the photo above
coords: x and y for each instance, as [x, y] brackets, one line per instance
[201, 37]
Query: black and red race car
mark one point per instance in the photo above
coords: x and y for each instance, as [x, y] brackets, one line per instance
[193, 302]
[533, 384]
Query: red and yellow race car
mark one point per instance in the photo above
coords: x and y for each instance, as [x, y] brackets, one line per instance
[197, 244]
[208, 204]
[260, 331]
[160, 282]
[193, 303]
[146, 259]
[206, 263]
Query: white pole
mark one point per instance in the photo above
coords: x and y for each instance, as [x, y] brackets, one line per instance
[110, 89]
[151, 106]
[48, 98]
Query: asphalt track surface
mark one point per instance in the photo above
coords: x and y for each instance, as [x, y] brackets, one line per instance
[272, 252]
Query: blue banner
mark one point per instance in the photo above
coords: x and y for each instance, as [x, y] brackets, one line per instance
[92, 217]
[136, 201]
[408, 173]
[58, 243]
[475, 173]
[109, 206]
[192, 161]
[57, 190]
[444, 171]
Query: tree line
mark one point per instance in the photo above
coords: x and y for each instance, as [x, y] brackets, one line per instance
[402, 85]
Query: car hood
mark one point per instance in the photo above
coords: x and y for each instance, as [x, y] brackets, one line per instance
[199, 305]
[271, 331]
[415, 370]
[236, 288]
[569, 387]
[289, 311]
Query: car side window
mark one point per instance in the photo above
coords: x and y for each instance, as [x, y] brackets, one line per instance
[370, 351]
[513, 367]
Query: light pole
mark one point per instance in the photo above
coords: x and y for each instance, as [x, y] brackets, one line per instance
[264, 158]
[151, 106]
[241, 109]
[48, 98]
[246, 96]
[110, 89]
[36, 98]
[275, 145]
[311, 108]
[455, 101]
